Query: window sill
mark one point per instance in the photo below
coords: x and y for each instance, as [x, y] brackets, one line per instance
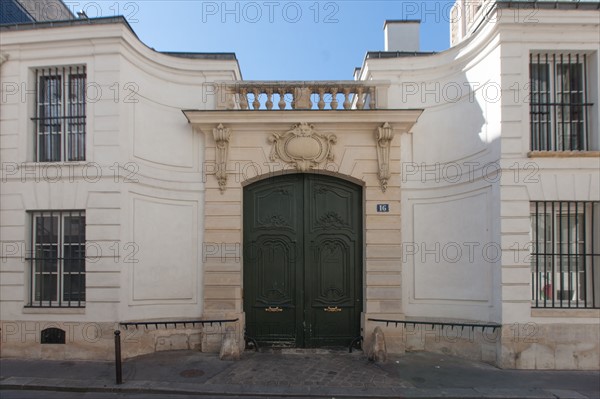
[49, 310]
[54, 163]
[563, 154]
[573, 312]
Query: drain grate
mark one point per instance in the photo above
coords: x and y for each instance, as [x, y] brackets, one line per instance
[191, 373]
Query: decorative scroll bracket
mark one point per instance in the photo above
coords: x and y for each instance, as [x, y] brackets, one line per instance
[222, 136]
[384, 136]
[302, 146]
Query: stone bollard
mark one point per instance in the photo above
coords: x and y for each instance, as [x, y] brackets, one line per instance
[377, 351]
[230, 350]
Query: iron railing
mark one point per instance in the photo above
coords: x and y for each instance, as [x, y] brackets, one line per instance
[433, 323]
[175, 323]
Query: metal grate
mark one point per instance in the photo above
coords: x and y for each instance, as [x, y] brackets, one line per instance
[559, 107]
[564, 257]
[57, 262]
[52, 336]
[60, 114]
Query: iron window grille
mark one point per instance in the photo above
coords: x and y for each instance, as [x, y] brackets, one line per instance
[60, 114]
[565, 254]
[57, 263]
[559, 106]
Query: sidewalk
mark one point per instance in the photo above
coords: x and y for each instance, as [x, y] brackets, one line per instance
[300, 373]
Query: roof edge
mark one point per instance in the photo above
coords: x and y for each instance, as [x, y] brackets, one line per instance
[201, 55]
[556, 4]
[397, 54]
[119, 19]
[66, 22]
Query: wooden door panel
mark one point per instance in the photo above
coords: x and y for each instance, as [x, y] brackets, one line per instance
[333, 256]
[332, 329]
[275, 206]
[331, 291]
[331, 271]
[273, 259]
[302, 260]
[275, 280]
[333, 206]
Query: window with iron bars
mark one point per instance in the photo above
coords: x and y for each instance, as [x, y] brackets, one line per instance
[565, 257]
[559, 106]
[60, 121]
[57, 264]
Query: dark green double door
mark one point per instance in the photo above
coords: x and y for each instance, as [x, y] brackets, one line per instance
[302, 261]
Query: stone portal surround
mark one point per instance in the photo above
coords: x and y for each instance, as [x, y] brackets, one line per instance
[366, 152]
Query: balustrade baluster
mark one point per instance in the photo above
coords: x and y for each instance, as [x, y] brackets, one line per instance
[256, 102]
[244, 99]
[269, 103]
[360, 102]
[334, 101]
[281, 102]
[321, 103]
[356, 95]
[347, 103]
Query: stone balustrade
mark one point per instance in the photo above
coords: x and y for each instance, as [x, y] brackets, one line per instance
[301, 95]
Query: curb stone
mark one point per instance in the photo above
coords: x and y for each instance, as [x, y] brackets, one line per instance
[65, 385]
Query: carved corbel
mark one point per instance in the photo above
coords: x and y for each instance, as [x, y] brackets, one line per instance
[384, 136]
[222, 136]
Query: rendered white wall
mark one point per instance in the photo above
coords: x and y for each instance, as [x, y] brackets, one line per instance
[474, 137]
[141, 184]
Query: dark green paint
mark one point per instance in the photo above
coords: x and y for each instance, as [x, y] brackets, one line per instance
[303, 253]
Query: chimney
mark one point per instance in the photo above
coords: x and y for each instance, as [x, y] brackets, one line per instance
[402, 35]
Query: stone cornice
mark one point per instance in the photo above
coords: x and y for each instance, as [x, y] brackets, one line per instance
[402, 120]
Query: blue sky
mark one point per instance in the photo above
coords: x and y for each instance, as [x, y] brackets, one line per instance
[278, 39]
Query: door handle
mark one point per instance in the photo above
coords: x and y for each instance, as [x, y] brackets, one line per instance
[332, 309]
[275, 309]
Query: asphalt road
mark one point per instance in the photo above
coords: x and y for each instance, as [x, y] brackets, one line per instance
[101, 395]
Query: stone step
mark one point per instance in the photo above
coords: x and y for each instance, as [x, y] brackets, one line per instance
[308, 351]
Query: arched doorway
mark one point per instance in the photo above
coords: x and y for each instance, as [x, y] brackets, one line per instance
[303, 251]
